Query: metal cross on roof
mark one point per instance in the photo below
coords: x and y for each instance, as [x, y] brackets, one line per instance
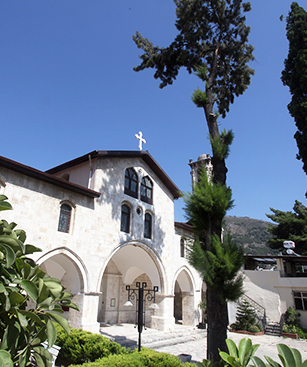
[140, 138]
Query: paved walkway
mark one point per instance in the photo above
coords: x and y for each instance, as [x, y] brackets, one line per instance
[188, 340]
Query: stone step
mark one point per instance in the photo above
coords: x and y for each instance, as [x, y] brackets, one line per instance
[273, 329]
[154, 338]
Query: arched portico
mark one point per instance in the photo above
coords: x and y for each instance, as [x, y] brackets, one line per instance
[184, 308]
[63, 264]
[128, 264]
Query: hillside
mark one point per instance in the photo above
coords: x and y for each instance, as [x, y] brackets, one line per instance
[251, 233]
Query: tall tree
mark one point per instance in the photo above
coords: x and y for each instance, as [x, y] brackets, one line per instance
[295, 76]
[291, 226]
[217, 260]
[212, 41]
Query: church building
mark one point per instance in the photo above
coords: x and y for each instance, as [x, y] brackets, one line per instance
[105, 220]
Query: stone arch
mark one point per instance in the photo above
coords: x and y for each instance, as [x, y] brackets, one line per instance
[65, 265]
[183, 290]
[69, 262]
[129, 263]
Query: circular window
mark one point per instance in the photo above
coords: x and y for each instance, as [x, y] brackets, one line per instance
[139, 210]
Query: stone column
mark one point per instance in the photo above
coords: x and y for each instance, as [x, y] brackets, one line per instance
[188, 309]
[86, 318]
[163, 319]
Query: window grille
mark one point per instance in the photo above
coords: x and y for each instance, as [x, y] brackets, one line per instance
[146, 190]
[147, 226]
[300, 300]
[125, 219]
[64, 220]
[131, 183]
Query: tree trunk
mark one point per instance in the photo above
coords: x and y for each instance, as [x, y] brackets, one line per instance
[217, 324]
[216, 305]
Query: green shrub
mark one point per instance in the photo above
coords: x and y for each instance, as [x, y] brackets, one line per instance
[254, 329]
[246, 318]
[83, 346]
[145, 358]
[292, 317]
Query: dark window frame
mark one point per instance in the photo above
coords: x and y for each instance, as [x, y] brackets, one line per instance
[148, 226]
[125, 218]
[300, 300]
[146, 190]
[65, 218]
[131, 181]
[182, 247]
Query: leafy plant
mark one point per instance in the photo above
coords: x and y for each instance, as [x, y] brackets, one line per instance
[246, 318]
[145, 358]
[289, 357]
[239, 357]
[83, 346]
[292, 318]
[22, 282]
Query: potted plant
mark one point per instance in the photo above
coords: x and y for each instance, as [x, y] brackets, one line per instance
[203, 310]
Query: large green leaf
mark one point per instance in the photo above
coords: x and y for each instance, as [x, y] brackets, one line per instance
[232, 348]
[8, 253]
[25, 271]
[51, 333]
[31, 315]
[5, 359]
[30, 288]
[30, 249]
[42, 356]
[4, 205]
[16, 298]
[10, 336]
[258, 362]
[245, 351]
[60, 320]
[272, 362]
[230, 359]
[54, 286]
[286, 355]
[12, 242]
[297, 356]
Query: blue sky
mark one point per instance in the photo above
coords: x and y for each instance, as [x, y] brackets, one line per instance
[68, 87]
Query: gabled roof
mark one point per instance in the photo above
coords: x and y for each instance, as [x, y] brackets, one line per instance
[147, 158]
[47, 177]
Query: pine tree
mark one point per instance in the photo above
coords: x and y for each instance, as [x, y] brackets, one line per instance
[246, 318]
[295, 75]
[212, 41]
[291, 226]
[217, 261]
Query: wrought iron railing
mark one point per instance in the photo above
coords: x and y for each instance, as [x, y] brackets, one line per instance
[259, 309]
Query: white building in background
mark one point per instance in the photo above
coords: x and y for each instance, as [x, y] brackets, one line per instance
[106, 220]
[103, 221]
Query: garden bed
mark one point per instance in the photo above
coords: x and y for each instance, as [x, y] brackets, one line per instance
[290, 335]
[246, 332]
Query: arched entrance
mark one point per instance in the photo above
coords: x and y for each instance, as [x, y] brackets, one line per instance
[129, 264]
[184, 309]
[67, 267]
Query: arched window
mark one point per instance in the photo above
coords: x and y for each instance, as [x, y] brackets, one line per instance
[125, 219]
[148, 226]
[182, 247]
[65, 216]
[131, 183]
[146, 190]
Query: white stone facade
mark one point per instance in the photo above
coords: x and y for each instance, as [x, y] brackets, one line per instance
[95, 260]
